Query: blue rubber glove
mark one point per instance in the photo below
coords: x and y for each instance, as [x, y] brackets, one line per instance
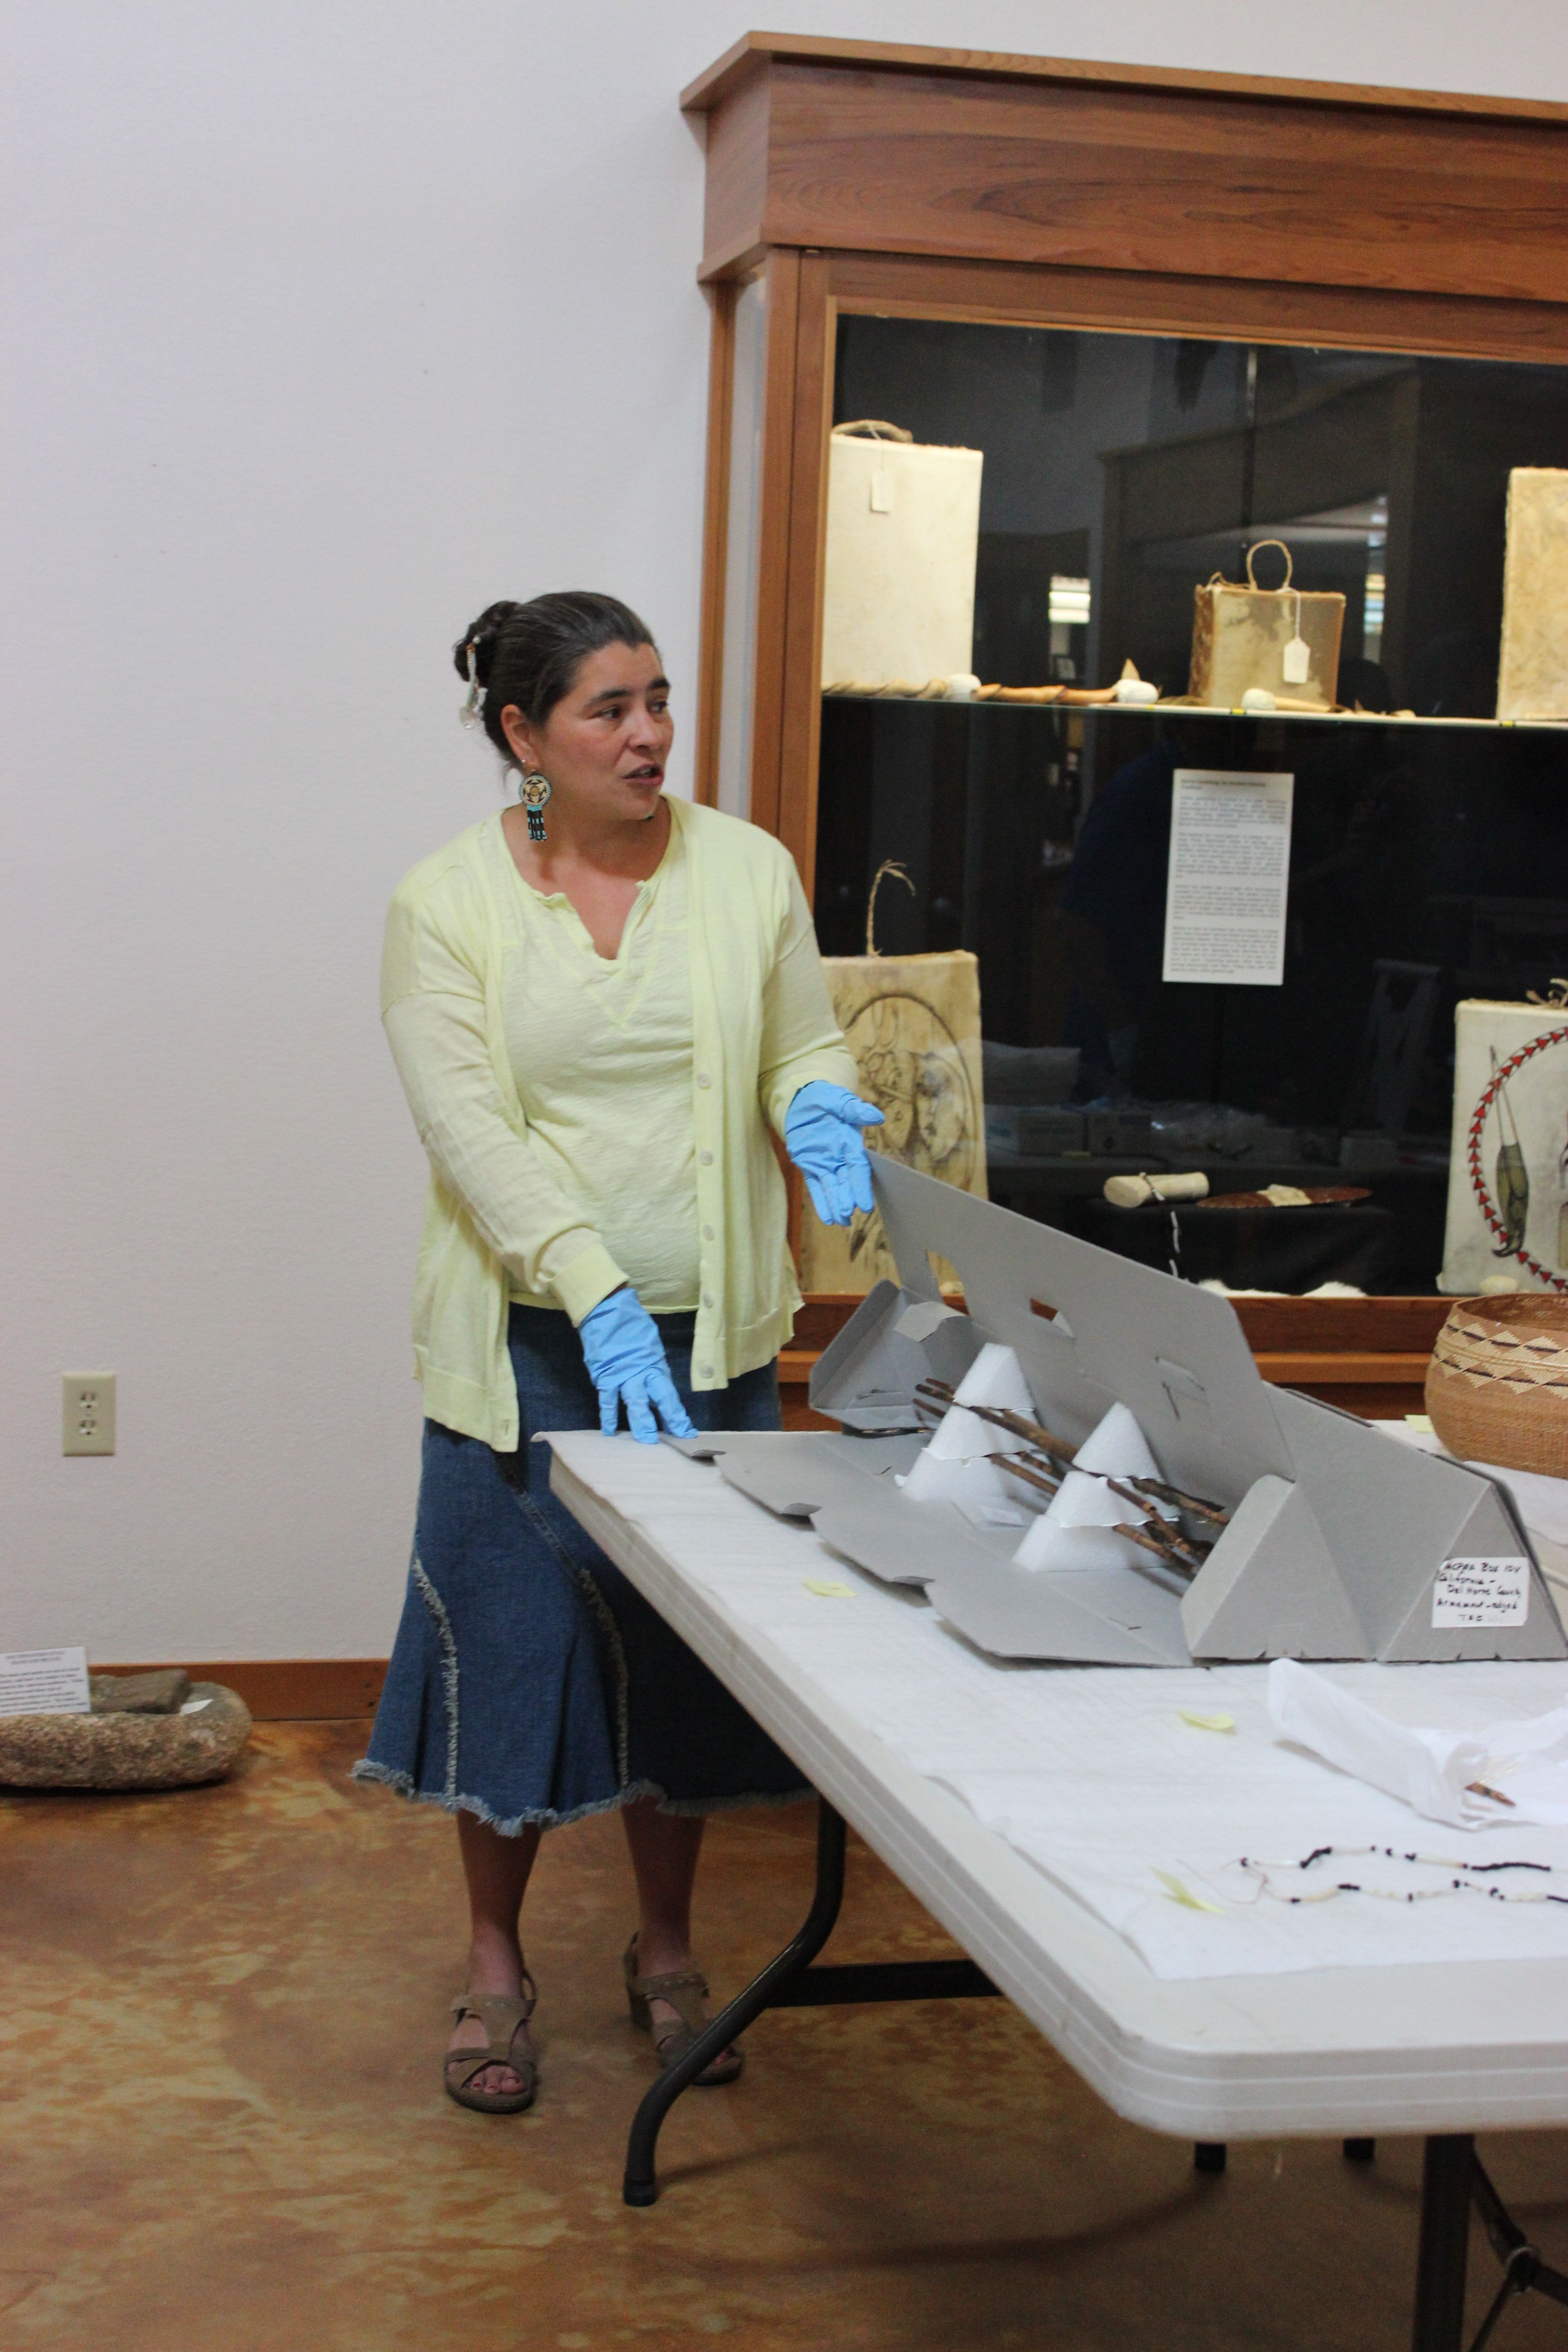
[822, 1136]
[626, 1364]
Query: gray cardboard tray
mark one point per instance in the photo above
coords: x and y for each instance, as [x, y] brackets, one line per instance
[795, 1473]
[1337, 1533]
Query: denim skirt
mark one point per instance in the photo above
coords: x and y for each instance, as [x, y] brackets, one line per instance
[530, 1682]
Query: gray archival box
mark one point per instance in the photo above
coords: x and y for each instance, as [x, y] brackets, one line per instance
[1337, 1533]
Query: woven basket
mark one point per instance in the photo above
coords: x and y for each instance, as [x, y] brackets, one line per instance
[1496, 1386]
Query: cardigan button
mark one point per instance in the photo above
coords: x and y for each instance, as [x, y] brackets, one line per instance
[706, 1371]
[704, 1080]
[705, 1158]
[707, 1233]
[708, 1299]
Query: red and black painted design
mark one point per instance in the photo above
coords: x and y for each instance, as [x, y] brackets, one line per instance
[1478, 1180]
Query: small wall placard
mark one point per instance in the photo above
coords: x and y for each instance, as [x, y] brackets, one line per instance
[44, 1681]
[1228, 876]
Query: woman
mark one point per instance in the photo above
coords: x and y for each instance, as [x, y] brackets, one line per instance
[598, 1001]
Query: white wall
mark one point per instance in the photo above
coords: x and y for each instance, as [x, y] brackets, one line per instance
[329, 321]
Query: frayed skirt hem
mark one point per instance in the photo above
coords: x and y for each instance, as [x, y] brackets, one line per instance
[544, 1817]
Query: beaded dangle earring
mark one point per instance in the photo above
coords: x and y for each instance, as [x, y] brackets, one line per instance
[533, 791]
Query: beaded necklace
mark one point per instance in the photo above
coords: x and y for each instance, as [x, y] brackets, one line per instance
[1469, 1881]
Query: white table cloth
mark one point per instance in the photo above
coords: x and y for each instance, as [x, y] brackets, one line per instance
[1033, 1809]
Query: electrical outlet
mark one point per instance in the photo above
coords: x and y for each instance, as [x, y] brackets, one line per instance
[87, 1412]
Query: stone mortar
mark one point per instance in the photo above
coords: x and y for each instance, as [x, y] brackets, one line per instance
[126, 1752]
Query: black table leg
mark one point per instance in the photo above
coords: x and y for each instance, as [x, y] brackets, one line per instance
[1453, 2178]
[1523, 2269]
[641, 2183]
[1444, 2243]
[791, 1982]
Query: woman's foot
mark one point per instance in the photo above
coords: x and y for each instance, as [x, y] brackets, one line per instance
[494, 1975]
[670, 2003]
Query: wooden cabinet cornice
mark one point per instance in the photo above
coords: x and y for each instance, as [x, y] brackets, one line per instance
[846, 146]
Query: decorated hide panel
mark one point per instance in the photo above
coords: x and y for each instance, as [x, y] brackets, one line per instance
[912, 1023]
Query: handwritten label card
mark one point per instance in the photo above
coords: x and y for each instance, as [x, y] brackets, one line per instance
[1228, 876]
[1482, 1592]
[44, 1681]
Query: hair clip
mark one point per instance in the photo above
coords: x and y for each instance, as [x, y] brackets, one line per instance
[473, 711]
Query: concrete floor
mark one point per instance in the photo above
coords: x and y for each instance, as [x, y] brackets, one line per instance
[222, 2011]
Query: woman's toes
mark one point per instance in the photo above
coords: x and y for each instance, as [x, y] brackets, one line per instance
[499, 2082]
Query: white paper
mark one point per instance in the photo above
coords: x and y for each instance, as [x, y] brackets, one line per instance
[1430, 1772]
[1078, 1528]
[1093, 1775]
[937, 1477]
[996, 1378]
[1482, 1592]
[962, 1436]
[1449, 1776]
[44, 1681]
[1117, 1448]
[1228, 878]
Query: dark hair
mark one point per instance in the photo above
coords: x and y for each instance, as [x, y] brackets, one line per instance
[530, 654]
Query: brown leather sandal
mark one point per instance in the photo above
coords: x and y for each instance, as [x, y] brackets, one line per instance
[685, 1990]
[503, 2016]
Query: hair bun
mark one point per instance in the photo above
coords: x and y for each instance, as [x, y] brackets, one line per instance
[483, 635]
[526, 656]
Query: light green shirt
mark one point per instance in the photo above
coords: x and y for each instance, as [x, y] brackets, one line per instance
[601, 1053]
[512, 1211]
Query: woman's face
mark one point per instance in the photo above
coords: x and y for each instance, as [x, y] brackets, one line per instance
[606, 745]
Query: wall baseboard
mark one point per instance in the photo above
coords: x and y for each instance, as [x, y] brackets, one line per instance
[286, 1690]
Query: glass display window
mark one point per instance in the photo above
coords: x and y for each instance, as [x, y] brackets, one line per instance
[1429, 859]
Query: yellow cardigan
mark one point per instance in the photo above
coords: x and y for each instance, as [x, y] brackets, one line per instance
[763, 1027]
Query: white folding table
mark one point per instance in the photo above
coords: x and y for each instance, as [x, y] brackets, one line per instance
[1440, 2049]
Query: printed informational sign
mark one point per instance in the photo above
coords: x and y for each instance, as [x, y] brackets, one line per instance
[44, 1681]
[1482, 1592]
[1228, 878]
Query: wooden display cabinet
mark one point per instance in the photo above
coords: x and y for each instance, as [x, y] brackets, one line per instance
[850, 180]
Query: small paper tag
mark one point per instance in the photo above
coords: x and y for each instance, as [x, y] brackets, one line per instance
[1297, 662]
[826, 1589]
[881, 492]
[44, 1681]
[1482, 1592]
